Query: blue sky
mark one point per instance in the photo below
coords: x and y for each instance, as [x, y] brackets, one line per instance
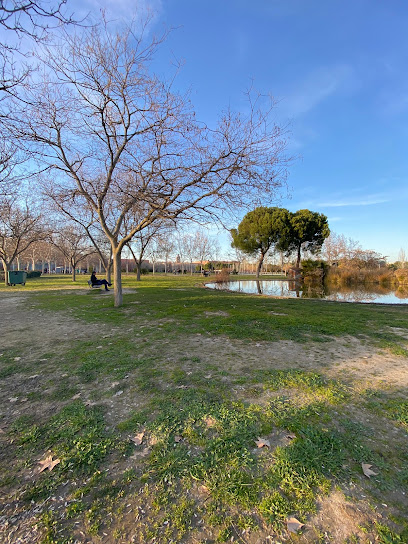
[338, 70]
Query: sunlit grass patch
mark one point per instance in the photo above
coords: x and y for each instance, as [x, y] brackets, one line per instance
[394, 407]
[211, 441]
[246, 317]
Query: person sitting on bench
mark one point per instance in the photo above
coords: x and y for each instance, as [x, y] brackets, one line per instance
[95, 281]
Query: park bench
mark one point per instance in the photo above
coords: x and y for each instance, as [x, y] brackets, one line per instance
[94, 286]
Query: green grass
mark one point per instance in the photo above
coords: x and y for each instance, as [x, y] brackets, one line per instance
[179, 303]
[198, 467]
[392, 406]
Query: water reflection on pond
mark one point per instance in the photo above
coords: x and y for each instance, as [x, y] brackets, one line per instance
[283, 288]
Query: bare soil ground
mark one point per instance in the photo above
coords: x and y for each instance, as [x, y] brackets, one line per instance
[355, 362]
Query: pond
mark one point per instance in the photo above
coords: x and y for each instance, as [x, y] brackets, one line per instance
[284, 288]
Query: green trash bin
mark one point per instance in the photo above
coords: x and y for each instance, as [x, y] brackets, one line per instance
[16, 277]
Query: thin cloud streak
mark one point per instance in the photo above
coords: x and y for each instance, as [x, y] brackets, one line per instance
[317, 87]
[344, 202]
[370, 201]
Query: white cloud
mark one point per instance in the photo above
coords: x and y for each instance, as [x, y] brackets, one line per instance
[349, 200]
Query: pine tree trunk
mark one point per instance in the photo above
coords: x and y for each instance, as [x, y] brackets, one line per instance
[259, 267]
[298, 258]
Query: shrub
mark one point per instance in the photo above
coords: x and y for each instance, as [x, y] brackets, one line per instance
[351, 275]
[402, 275]
[223, 276]
[34, 274]
[313, 270]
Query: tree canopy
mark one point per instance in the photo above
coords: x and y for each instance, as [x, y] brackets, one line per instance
[261, 229]
[265, 227]
[308, 231]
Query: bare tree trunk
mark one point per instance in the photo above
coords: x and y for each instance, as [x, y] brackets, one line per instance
[73, 269]
[117, 277]
[6, 268]
[108, 271]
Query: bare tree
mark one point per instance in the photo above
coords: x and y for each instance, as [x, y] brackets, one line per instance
[140, 243]
[203, 247]
[118, 138]
[188, 243]
[20, 227]
[154, 253]
[73, 244]
[238, 256]
[337, 248]
[84, 218]
[166, 246]
[26, 19]
[402, 257]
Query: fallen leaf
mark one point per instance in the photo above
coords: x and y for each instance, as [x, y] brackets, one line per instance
[178, 438]
[17, 358]
[13, 399]
[49, 463]
[138, 438]
[153, 440]
[367, 470]
[291, 436]
[210, 421]
[77, 396]
[204, 489]
[262, 442]
[294, 525]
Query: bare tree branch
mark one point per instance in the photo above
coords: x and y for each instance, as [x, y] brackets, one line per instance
[119, 141]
